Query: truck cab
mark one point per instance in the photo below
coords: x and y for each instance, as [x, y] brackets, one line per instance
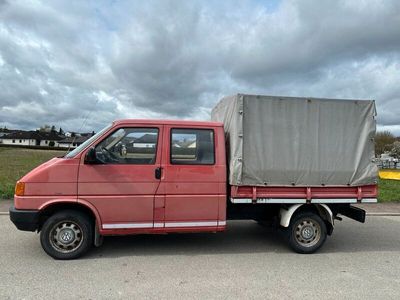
[134, 176]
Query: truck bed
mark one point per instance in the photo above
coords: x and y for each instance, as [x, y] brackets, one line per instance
[292, 195]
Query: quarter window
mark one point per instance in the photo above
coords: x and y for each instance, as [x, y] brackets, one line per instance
[129, 146]
[192, 147]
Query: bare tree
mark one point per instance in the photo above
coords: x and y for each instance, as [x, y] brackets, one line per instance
[45, 128]
[395, 151]
[383, 142]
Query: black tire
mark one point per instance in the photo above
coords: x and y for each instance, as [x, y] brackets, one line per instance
[306, 233]
[67, 234]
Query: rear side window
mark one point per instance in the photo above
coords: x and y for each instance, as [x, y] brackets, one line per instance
[192, 147]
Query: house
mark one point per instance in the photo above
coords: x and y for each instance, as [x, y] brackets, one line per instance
[145, 141]
[87, 134]
[5, 131]
[72, 142]
[187, 144]
[31, 138]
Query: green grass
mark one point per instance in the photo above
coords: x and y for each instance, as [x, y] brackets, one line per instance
[16, 162]
[389, 190]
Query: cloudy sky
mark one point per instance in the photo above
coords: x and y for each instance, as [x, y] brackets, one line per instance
[62, 62]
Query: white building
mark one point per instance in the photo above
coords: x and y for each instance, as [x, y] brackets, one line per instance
[72, 142]
[31, 138]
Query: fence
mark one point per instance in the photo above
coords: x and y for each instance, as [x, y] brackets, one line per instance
[385, 164]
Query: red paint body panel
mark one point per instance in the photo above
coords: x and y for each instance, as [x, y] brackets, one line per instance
[367, 191]
[174, 123]
[193, 191]
[121, 192]
[189, 207]
[159, 208]
[57, 177]
[40, 202]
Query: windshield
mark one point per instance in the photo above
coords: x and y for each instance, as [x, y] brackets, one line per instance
[86, 143]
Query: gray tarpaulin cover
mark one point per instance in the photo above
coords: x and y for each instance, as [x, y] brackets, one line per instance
[286, 141]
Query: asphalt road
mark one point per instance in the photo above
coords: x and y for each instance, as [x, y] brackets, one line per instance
[360, 261]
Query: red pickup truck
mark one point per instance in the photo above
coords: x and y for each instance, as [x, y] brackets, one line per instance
[155, 176]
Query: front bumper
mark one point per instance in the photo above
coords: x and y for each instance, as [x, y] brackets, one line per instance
[26, 220]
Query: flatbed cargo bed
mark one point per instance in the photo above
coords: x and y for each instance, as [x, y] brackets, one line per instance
[293, 195]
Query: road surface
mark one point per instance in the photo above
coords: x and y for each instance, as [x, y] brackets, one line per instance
[360, 261]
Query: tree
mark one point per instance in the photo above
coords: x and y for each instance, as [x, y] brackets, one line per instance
[61, 132]
[383, 142]
[53, 129]
[51, 144]
[45, 128]
[395, 151]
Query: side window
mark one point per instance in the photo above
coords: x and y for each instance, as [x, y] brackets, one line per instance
[192, 147]
[129, 146]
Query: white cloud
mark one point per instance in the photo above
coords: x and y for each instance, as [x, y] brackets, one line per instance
[175, 59]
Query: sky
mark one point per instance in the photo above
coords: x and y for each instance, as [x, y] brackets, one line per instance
[82, 64]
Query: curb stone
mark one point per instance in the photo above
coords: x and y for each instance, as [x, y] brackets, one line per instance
[389, 214]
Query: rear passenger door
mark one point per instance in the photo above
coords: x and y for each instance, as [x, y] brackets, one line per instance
[190, 177]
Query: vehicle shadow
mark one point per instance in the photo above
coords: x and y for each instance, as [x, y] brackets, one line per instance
[377, 234]
[241, 237]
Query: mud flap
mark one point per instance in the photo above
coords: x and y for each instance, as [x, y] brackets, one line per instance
[98, 238]
[353, 212]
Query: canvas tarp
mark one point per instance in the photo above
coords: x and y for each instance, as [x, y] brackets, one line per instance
[289, 141]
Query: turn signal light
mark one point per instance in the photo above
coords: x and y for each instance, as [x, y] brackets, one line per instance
[20, 188]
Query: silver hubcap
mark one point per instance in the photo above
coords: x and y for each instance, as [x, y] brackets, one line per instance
[66, 236]
[307, 232]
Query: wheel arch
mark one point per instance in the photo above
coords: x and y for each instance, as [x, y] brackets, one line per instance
[322, 210]
[54, 207]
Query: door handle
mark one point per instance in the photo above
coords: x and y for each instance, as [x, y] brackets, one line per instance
[158, 172]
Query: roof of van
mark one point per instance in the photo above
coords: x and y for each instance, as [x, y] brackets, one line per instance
[168, 122]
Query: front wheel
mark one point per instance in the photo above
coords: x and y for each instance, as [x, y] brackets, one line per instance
[67, 235]
[306, 233]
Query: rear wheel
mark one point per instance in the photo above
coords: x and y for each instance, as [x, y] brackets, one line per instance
[306, 233]
[67, 235]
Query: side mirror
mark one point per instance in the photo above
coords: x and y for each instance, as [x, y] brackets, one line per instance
[90, 157]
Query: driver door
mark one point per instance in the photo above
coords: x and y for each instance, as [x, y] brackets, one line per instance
[122, 186]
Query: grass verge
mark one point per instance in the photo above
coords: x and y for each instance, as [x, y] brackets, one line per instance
[389, 190]
[16, 162]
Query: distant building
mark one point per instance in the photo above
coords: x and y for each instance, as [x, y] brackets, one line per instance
[31, 138]
[387, 157]
[145, 141]
[5, 131]
[72, 142]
